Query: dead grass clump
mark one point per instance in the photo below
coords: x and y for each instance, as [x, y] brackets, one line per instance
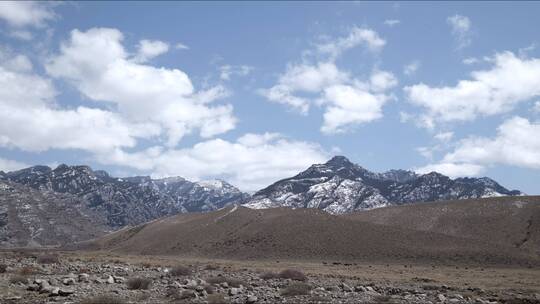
[48, 259]
[269, 275]
[3, 268]
[18, 279]
[180, 271]
[102, 299]
[138, 283]
[231, 281]
[293, 275]
[296, 289]
[217, 298]
[27, 270]
[211, 267]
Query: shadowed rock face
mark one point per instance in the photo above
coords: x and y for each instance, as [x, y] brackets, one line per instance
[128, 201]
[340, 186]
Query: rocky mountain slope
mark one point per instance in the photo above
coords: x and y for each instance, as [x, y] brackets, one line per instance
[339, 186]
[29, 217]
[311, 234]
[128, 201]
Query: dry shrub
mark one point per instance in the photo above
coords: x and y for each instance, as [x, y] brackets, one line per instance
[3, 268]
[217, 298]
[180, 271]
[293, 275]
[102, 299]
[231, 281]
[296, 289]
[211, 267]
[48, 259]
[382, 299]
[27, 270]
[269, 275]
[138, 283]
[18, 279]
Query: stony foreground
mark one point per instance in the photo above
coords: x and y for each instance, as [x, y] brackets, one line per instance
[48, 278]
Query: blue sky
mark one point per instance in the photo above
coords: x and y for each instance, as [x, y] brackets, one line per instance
[255, 92]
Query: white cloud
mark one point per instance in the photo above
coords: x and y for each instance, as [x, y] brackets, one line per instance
[96, 63]
[411, 68]
[26, 13]
[357, 36]
[7, 165]
[444, 136]
[31, 120]
[148, 49]
[381, 81]
[461, 29]
[510, 81]
[516, 144]
[347, 101]
[536, 107]
[471, 60]
[251, 162]
[181, 46]
[452, 170]
[391, 22]
[349, 106]
[226, 71]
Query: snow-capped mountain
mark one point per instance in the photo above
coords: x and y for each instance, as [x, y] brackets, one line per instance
[339, 186]
[131, 200]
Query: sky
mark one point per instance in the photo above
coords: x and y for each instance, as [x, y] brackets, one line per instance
[252, 92]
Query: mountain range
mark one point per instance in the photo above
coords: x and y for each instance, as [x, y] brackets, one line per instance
[340, 186]
[45, 206]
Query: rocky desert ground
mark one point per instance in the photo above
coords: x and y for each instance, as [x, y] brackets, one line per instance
[98, 277]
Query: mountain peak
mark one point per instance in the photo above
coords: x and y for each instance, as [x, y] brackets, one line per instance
[339, 161]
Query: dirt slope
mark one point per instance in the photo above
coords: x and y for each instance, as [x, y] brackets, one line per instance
[301, 234]
[508, 221]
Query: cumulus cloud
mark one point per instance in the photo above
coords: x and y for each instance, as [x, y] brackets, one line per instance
[516, 144]
[226, 71]
[509, 81]
[347, 100]
[391, 22]
[97, 64]
[148, 49]
[7, 165]
[461, 29]
[471, 60]
[26, 13]
[31, 120]
[251, 162]
[444, 136]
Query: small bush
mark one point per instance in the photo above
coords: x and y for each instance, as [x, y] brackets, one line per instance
[103, 299]
[138, 283]
[217, 298]
[27, 270]
[296, 289]
[48, 259]
[3, 268]
[269, 276]
[231, 281]
[293, 275]
[211, 267]
[180, 271]
[18, 279]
